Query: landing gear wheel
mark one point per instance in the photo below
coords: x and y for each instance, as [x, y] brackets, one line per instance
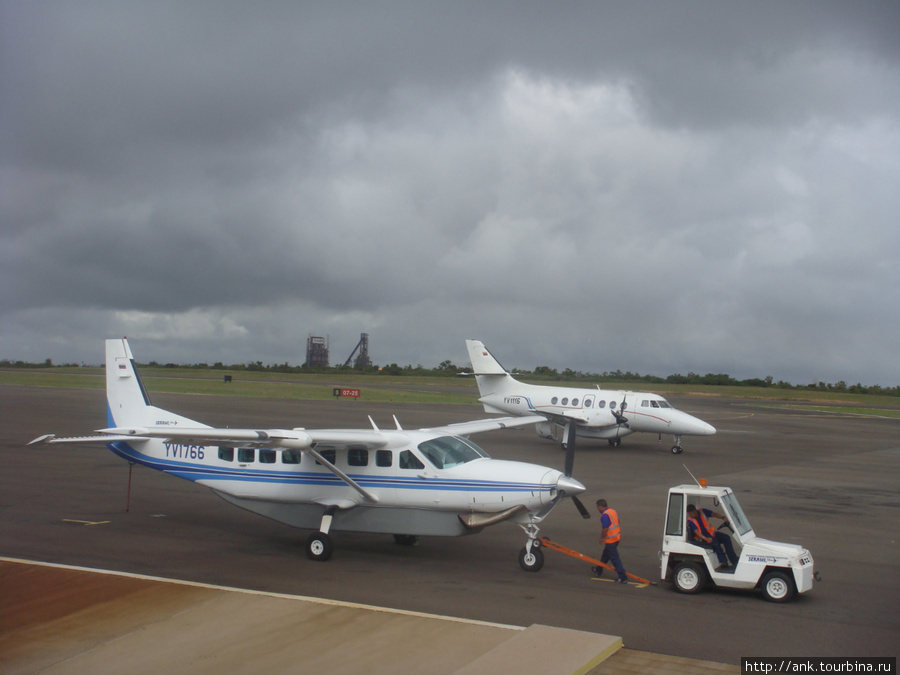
[531, 562]
[677, 449]
[615, 442]
[406, 539]
[688, 578]
[778, 587]
[319, 546]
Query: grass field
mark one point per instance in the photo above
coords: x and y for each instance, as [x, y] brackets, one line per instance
[415, 389]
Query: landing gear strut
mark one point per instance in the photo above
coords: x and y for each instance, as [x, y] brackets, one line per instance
[531, 557]
[319, 545]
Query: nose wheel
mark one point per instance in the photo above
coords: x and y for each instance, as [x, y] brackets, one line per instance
[531, 557]
[677, 449]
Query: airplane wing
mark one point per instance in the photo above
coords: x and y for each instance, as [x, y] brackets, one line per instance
[99, 439]
[479, 426]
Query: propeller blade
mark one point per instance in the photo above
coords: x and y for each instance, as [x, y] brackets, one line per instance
[570, 447]
[578, 505]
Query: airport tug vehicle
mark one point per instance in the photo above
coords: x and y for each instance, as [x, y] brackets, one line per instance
[779, 570]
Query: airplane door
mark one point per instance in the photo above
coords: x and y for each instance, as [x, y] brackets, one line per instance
[588, 402]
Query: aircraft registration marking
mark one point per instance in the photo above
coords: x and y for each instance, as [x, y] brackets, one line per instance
[180, 451]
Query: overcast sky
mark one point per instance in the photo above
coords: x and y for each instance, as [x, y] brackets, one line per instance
[654, 186]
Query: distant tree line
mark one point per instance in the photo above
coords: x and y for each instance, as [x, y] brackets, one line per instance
[447, 369]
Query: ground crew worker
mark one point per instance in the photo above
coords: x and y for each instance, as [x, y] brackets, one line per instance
[701, 529]
[610, 536]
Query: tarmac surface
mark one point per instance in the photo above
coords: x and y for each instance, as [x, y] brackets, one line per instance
[827, 481]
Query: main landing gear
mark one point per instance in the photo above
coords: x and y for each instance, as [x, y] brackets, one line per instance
[319, 545]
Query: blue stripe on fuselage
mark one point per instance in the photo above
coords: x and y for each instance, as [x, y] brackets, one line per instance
[194, 472]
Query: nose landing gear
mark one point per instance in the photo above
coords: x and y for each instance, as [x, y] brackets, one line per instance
[531, 557]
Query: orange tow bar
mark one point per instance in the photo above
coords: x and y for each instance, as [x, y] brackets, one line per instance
[581, 556]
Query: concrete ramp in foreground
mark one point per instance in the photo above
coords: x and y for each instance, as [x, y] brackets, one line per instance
[58, 619]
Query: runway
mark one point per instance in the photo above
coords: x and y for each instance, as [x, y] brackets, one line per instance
[828, 482]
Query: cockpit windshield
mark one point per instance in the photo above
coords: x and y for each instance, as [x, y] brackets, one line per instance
[449, 451]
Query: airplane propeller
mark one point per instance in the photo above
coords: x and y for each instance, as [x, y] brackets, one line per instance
[570, 464]
[621, 420]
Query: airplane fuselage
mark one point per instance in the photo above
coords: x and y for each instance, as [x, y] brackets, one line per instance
[596, 411]
[409, 493]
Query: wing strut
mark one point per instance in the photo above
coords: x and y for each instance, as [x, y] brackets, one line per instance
[344, 477]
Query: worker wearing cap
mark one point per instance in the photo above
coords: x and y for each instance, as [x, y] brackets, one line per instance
[701, 529]
[610, 536]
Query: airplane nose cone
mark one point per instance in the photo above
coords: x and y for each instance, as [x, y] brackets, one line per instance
[569, 486]
[691, 426]
[703, 428]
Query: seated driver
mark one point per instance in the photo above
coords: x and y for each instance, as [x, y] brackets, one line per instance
[701, 530]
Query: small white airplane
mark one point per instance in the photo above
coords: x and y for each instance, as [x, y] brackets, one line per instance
[401, 482]
[597, 413]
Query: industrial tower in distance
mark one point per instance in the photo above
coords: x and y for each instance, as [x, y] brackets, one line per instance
[362, 360]
[316, 352]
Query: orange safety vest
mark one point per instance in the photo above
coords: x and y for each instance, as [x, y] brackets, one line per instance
[703, 526]
[613, 532]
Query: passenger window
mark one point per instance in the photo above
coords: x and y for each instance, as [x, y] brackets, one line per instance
[226, 454]
[410, 461]
[267, 456]
[554, 400]
[565, 401]
[601, 404]
[291, 457]
[246, 455]
[327, 455]
[612, 405]
[624, 405]
[587, 403]
[358, 457]
[574, 401]
[384, 458]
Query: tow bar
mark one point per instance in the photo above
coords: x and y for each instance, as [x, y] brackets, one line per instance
[581, 556]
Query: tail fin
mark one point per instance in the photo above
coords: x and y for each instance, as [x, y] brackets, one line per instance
[489, 374]
[483, 362]
[126, 398]
[128, 403]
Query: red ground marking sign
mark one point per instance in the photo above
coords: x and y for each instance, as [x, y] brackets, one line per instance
[352, 393]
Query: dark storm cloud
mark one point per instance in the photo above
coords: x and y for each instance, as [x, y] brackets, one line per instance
[651, 186]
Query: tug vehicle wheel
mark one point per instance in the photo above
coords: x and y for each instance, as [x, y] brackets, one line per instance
[777, 586]
[688, 577]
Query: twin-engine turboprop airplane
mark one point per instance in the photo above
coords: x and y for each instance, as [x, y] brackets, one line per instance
[400, 482]
[596, 413]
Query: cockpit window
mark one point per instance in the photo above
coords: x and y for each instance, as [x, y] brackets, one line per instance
[449, 451]
[410, 461]
[663, 403]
